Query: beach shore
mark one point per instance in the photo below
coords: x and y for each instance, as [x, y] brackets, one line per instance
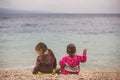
[27, 75]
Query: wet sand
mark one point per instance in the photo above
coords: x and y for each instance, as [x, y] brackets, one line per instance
[27, 75]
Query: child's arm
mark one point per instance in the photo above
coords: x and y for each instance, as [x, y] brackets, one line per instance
[62, 63]
[36, 68]
[55, 63]
[84, 56]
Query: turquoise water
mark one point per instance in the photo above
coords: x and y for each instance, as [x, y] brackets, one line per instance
[99, 34]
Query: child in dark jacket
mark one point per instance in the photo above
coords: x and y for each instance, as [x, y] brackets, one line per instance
[46, 61]
[70, 64]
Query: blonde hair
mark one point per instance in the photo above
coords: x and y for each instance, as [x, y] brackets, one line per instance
[41, 46]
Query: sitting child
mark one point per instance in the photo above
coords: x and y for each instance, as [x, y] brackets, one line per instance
[70, 64]
[46, 61]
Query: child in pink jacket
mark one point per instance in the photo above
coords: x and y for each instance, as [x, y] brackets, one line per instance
[70, 64]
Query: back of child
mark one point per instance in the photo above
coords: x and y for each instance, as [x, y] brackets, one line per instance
[70, 64]
[46, 61]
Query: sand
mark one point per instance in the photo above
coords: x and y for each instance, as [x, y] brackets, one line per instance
[27, 75]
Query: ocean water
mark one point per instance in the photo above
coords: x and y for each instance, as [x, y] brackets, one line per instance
[99, 34]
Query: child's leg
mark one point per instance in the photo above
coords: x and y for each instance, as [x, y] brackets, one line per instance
[58, 70]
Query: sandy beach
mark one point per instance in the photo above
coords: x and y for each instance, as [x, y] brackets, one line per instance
[27, 75]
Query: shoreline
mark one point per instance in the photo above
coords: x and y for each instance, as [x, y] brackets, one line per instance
[27, 75]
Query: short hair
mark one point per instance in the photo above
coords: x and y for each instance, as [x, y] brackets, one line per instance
[42, 46]
[71, 49]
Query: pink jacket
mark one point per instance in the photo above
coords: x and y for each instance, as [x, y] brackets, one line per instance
[72, 65]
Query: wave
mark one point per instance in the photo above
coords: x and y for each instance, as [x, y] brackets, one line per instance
[18, 68]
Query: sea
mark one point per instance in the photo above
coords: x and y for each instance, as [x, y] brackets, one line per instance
[98, 33]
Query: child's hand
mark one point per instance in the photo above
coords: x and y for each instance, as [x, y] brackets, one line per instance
[84, 51]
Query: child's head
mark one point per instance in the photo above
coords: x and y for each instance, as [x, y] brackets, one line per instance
[40, 48]
[71, 49]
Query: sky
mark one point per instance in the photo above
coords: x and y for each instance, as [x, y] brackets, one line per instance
[64, 6]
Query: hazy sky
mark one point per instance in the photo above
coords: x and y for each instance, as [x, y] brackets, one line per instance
[69, 6]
